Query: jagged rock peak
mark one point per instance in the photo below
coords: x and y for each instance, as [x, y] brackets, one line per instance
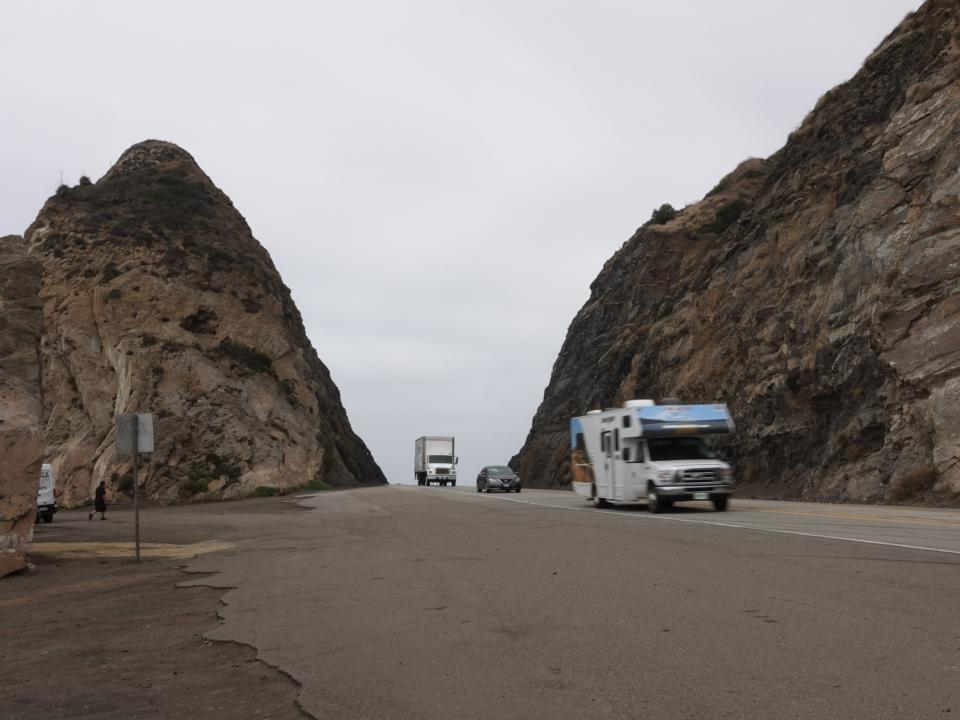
[149, 153]
[158, 298]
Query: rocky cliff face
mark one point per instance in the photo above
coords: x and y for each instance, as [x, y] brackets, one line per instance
[815, 292]
[157, 298]
[21, 438]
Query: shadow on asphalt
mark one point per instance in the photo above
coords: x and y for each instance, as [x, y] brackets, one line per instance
[675, 510]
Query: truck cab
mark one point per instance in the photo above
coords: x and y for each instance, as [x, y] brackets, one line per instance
[441, 470]
[653, 453]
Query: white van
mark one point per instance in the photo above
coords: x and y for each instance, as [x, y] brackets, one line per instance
[46, 494]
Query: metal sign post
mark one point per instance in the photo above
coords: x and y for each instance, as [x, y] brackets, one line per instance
[136, 488]
[134, 435]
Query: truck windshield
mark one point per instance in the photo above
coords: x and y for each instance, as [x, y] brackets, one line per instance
[678, 449]
[440, 459]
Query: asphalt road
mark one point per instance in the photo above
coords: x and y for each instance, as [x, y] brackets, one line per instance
[409, 602]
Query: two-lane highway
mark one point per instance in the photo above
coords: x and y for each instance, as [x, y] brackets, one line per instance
[410, 602]
[935, 530]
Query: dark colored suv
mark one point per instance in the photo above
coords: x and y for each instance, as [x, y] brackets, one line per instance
[498, 477]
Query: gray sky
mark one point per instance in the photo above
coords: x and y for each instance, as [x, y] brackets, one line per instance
[437, 182]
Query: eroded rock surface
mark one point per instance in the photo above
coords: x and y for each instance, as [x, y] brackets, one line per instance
[815, 292]
[21, 439]
[157, 298]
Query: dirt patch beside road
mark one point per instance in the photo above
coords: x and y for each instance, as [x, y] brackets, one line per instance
[90, 634]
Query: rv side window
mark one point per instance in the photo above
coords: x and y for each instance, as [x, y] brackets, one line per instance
[626, 454]
[580, 444]
[616, 438]
[626, 421]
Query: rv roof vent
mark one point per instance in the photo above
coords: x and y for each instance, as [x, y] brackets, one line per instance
[594, 412]
[639, 403]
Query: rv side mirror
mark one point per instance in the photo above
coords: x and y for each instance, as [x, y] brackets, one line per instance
[456, 461]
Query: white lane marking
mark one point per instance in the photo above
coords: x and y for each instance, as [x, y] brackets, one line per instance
[718, 524]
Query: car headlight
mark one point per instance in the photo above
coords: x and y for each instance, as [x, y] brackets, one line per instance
[664, 476]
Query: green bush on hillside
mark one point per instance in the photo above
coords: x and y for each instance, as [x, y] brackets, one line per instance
[663, 214]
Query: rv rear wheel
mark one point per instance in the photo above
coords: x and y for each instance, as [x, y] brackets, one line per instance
[598, 502]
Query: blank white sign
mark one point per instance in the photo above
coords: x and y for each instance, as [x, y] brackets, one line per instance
[125, 424]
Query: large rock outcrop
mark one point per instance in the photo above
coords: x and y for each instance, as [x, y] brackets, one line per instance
[815, 292]
[21, 436]
[157, 298]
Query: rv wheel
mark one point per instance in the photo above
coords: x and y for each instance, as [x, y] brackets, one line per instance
[720, 502]
[655, 503]
[598, 502]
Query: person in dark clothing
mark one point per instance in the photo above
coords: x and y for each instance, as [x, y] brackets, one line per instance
[100, 501]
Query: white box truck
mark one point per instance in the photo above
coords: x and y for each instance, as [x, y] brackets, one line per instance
[435, 461]
[46, 494]
[652, 452]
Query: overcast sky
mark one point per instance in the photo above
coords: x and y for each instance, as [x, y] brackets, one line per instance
[437, 182]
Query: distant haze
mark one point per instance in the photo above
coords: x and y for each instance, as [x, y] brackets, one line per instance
[437, 182]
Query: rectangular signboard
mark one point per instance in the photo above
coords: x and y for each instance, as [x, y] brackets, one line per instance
[125, 424]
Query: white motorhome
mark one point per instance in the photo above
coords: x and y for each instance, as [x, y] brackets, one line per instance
[46, 494]
[435, 461]
[645, 451]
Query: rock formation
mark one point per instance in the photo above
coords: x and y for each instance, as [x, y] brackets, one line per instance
[157, 298]
[21, 438]
[815, 292]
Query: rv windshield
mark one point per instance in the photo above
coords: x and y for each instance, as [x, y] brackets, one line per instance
[440, 459]
[678, 449]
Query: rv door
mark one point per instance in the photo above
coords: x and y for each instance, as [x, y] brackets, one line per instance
[609, 472]
[617, 471]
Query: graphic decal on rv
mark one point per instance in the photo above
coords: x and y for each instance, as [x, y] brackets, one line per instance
[662, 420]
[581, 466]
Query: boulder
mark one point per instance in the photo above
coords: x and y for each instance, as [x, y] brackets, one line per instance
[21, 438]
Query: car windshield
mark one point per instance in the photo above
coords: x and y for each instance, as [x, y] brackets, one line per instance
[678, 449]
[440, 459]
[499, 471]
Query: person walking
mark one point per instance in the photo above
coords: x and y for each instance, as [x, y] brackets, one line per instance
[100, 501]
